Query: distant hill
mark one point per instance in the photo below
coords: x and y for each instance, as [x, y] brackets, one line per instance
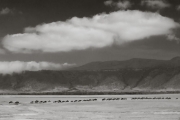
[112, 76]
[135, 63]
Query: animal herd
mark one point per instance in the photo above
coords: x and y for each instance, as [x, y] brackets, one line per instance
[157, 98]
[108, 99]
[87, 100]
[16, 103]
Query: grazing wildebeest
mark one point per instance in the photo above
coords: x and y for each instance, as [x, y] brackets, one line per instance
[16, 103]
[134, 98]
[36, 101]
[10, 102]
[168, 98]
[118, 99]
[103, 99]
[123, 98]
[108, 99]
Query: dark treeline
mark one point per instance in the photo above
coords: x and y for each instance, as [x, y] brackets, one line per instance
[92, 93]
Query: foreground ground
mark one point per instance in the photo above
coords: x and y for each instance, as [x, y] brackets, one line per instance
[93, 110]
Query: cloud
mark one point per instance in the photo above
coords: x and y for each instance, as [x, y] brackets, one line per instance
[178, 7]
[155, 4]
[5, 11]
[108, 2]
[173, 37]
[82, 33]
[2, 51]
[19, 66]
[120, 4]
[123, 4]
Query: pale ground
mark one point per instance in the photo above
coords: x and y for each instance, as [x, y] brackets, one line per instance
[97, 110]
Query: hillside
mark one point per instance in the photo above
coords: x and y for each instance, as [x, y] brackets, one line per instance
[135, 63]
[131, 75]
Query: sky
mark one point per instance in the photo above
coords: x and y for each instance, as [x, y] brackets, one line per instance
[54, 35]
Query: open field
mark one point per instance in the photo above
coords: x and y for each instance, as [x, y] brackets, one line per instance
[141, 109]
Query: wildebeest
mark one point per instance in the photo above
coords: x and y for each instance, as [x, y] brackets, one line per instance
[10, 102]
[16, 103]
[168, 98]
[103, 99]
[123, 98]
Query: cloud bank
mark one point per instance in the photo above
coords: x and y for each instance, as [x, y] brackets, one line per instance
[120, 4]
[19, 66]
[82, 33]
[155, 4]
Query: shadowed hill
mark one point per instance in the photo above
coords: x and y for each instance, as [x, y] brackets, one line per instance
[130, 75]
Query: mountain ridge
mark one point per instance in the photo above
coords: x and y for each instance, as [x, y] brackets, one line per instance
[135, 63]
[110, 76]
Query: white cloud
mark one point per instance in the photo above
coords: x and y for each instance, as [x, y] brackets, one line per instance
[99, 31]
[5, 11]
[19, 66]
[155, 4]
[120, 4]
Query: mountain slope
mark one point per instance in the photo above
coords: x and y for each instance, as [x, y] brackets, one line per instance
[130, 75]
[132, 63]
[135, 63]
